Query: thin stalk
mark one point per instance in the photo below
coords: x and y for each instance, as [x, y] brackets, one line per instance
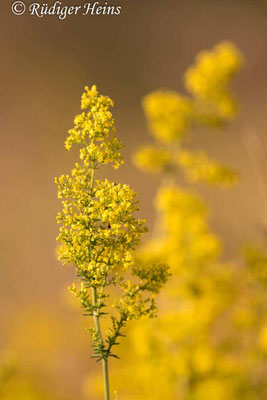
[106, 379]
[104, 361]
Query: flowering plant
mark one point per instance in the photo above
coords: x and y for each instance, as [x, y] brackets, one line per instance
[99, 232]
[210, 340]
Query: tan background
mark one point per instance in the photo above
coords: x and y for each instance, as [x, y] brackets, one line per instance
[45, 64]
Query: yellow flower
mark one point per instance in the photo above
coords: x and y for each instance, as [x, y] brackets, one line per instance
[99, 231]
[169, 115]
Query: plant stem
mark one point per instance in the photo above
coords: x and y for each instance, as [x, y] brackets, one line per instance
[106, 379]
[104, 360]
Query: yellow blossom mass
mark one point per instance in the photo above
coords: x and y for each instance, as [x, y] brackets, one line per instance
[210, 340]
[99, 231]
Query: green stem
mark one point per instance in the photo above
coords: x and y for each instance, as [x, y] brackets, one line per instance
[104, 360]
[106, 379]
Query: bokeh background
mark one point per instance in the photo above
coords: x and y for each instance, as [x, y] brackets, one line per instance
[45, 63]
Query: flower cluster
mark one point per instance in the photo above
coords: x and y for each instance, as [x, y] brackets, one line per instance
[154, 159]
[196, 165]
[93, 129]
[99, 232]
[208, 81]
[184, 226]
[171, 115]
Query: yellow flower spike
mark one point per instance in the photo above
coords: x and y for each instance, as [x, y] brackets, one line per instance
[210, 339]
[99, 231]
